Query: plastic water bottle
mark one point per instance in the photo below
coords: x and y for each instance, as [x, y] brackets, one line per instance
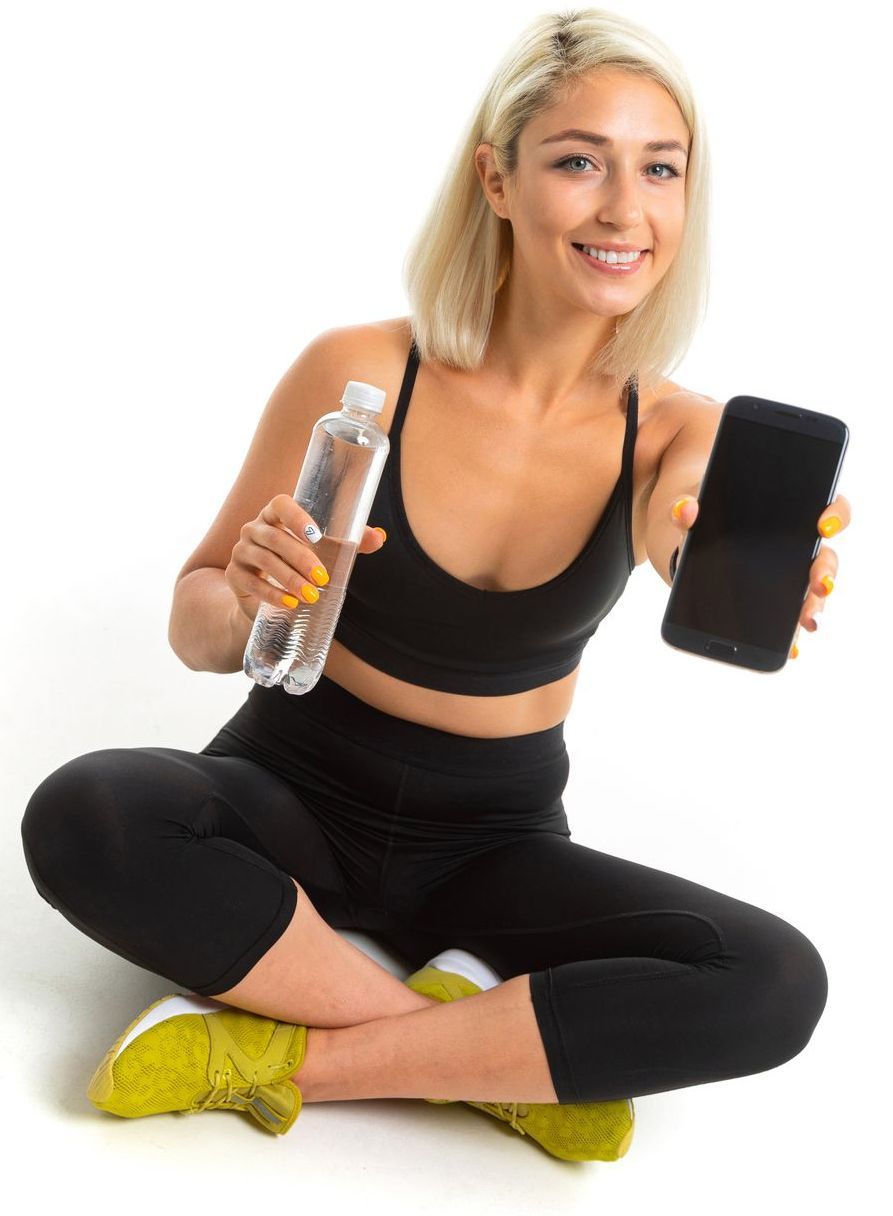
[336, 487]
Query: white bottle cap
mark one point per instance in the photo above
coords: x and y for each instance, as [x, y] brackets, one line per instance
[366, 396]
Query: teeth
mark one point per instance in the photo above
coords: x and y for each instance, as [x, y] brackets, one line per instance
[612, 255]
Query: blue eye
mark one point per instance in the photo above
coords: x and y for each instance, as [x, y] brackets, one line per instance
[660, 165]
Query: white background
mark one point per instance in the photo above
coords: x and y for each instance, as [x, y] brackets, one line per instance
[192, 192]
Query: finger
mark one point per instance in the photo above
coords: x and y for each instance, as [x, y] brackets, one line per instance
[823, 572]
[373, 539]
[795, 650]
[835, 517]
[684, 511]
[283, 511]
[810, 613]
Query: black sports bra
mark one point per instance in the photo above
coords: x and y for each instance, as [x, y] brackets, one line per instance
[407, 616]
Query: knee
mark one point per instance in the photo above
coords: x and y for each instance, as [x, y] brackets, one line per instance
[67, 817]
[790, 995]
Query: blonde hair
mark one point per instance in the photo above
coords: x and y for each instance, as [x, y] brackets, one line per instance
[462, 253]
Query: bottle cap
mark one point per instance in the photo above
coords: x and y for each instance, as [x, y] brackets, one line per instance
[366, 396]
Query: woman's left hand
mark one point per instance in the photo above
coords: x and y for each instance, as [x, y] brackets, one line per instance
[822, 572]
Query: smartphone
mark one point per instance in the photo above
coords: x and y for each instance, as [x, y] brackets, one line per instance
[743, 567]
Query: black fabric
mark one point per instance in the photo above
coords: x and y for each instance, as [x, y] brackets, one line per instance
[407, 616]
[182, 863]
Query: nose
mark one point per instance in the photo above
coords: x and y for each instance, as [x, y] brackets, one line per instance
[620, 205]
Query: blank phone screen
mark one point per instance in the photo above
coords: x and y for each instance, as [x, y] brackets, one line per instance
[748, 554]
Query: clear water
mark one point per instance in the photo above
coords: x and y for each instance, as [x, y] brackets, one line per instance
[289, 646]
[338, 481]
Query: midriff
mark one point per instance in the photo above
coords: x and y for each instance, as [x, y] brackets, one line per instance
[484, 717]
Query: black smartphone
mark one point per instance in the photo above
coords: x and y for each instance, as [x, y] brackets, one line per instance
[743, 567]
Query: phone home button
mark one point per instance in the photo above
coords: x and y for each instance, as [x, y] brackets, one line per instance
[720, 648]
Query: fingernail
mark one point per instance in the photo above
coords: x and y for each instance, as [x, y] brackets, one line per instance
[384, 535]
[828, 583]
[830, 525]
[678, 505]
[290, 601]
[312, 533]
[794, 651]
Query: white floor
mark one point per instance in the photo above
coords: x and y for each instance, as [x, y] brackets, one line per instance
[751, 785]
[760, 1143]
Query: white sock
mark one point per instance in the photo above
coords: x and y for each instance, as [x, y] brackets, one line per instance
[469, 965]
[170, 1008]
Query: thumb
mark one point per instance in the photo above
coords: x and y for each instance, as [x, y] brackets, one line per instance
[373, 539]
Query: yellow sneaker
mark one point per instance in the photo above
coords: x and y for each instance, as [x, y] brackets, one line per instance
[173, 1059]
[588, 1131]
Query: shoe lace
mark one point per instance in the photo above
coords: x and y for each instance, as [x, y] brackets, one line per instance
[511, 1112]
[216, 1096]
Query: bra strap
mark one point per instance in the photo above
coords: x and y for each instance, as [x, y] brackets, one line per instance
[409, 375]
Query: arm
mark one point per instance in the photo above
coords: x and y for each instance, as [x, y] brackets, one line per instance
[680, 472]
[207, 629]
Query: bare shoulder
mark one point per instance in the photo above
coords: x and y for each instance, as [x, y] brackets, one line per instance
[376, 338]
[310, 386]
[374, 351]
[680, 408]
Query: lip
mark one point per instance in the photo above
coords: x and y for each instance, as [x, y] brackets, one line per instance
[615, 269]
[616, 246]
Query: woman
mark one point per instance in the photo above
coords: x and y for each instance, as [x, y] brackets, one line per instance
[415, 792]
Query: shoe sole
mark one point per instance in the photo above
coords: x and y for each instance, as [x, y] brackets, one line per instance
[623, 1146]
[102, 1083]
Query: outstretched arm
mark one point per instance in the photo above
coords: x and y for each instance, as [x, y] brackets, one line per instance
[679, 475]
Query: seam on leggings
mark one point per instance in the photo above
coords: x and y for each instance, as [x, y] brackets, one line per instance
[264, 862]
[398, 802]
[690, 968]
[586, 920]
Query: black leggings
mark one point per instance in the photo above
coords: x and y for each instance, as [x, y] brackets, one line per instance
[182, 862]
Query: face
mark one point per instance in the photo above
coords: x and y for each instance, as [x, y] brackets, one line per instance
[573, 191]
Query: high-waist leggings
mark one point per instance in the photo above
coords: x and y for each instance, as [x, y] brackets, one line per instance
[182, 862]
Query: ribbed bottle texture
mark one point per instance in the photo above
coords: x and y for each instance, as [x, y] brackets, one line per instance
[336, 487]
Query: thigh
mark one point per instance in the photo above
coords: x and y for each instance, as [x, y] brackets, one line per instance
[544, 900]
[640, 980]
[110, 824]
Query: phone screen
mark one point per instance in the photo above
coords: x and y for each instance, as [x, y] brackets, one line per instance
[747, 554]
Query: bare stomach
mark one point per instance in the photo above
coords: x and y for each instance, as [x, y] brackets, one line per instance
[482, 717]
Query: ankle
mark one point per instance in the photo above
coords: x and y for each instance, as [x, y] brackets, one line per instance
[308, 1075]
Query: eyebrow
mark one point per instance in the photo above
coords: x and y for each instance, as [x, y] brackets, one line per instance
[589, 137]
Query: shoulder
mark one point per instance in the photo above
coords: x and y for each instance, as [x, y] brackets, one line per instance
[375, 352]
[374, 340]
[677, 410]
[382, 347]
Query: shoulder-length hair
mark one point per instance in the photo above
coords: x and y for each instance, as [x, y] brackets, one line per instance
[461, 255]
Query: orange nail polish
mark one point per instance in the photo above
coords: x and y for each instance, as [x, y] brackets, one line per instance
[830, 525]
[794, 651]
[289, 601]
[828, 583]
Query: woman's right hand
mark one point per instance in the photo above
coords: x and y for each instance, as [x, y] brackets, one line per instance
[266, 547]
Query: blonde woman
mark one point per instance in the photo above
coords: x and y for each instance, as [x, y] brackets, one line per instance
[538, 455]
